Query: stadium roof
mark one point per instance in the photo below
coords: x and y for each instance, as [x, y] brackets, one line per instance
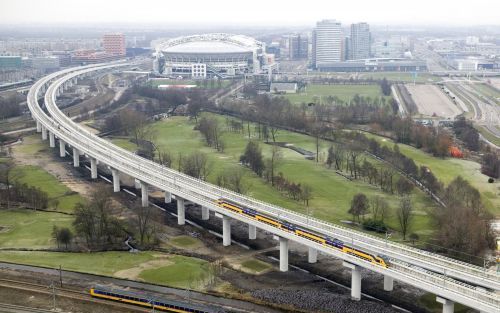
[206, 47]
[210, 43]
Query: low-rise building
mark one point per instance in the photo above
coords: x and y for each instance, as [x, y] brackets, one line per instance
[10, 62]
[283, 87]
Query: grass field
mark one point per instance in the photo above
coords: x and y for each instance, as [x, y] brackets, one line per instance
[429, 301]
[488, 91]
[21, 228]
[37, 177]
[255, 266]
[315, 93]
[332, 193]
[492, 138]
[185, 272]
[186, 242]
[447, 169]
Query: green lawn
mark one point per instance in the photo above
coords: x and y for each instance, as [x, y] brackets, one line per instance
[489, 136]
[185, 242]
[429, 301]
[21, 228]
[256, 266]
[447, 169]
[488, 91]
[101, 263]
[185, 272]
[38, 177]
[315, 93]
[332, 193]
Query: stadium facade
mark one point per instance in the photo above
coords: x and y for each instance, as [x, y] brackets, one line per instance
[212, 55]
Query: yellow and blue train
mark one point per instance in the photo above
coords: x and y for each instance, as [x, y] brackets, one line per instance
[326, 241]
[150, 302]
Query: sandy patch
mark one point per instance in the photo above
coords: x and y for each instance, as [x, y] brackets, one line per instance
[431, 100]
[134, 272]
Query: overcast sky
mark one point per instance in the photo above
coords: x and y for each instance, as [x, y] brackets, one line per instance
[252, 12]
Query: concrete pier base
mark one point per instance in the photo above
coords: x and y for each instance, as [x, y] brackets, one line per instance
[226, 231]
[252, 232]
[312, 256]
[181, 211]
[448, 305]
[93, 168]
[205, 213]
[283, 254]
[355, 280]
[116, 180]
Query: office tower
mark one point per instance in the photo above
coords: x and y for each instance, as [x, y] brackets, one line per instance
[360, 41]
[327, 43]
[114, 44]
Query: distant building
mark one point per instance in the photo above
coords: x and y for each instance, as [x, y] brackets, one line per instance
[114, 44]
[10, 62]
[360, 41]
[45, 63]
[375, 65]
[388, 49]
[298, 47]
[283, 87]
[327, 43]
[471, 40]
[91, 57]
[64, 58]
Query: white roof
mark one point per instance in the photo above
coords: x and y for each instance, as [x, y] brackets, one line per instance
[206, 47]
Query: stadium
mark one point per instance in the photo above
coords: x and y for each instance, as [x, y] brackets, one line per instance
[212, 55]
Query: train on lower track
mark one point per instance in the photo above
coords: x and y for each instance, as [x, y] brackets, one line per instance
[147, 301]
[307, 234]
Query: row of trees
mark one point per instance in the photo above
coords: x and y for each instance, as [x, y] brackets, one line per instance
[212, 132]
[490, 164]
[467, 133]
[12, 190]
[10, 106]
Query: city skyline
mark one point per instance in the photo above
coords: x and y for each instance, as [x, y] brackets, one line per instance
[388, 12]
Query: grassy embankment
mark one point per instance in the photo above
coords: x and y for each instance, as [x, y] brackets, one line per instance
[332, 193]
[448, 168]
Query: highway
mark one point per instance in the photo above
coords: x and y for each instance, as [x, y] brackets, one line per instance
[425, 270]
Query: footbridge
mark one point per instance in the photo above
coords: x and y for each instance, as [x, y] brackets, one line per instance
[451, 280]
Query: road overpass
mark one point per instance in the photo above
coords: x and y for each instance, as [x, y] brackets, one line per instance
[451, 280]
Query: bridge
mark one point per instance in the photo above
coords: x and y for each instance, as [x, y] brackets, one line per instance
[451, 280]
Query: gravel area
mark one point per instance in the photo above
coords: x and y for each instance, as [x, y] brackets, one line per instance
[321, 301]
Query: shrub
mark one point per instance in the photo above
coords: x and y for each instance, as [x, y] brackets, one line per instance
[375, 225]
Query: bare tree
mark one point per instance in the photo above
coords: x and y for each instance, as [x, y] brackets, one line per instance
[379, 207]
[405, 215]
[7, 178]
[145, 217]
[233, 179]
[306, 194]
[273, 162]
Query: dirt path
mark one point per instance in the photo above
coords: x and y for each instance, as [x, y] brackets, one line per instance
[32, 151]
[134, 272]
[430, 101]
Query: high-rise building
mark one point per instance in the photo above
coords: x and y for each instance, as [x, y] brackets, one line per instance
[327, 43]
[114, 44]
[297, 47]
[360, 41]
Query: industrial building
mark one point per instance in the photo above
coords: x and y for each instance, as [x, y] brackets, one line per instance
[375, 65]
[10, 62]
[212, 55]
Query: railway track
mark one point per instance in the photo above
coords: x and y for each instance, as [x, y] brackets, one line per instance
[64, 293]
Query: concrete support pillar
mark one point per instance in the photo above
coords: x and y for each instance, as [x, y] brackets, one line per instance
[226, 231]
[93, 168]
[283, 254]
[168, 197]
[388, 283]
[52, 140]
[144, 195]
[62, 148]
[116, 180]
[38, 126]
[252, 232]
[205, 213]
[355, 280]
[44, 133]
[137, 183]
[76, 157]
[448, 305]
[312, 256]
[181, 211]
